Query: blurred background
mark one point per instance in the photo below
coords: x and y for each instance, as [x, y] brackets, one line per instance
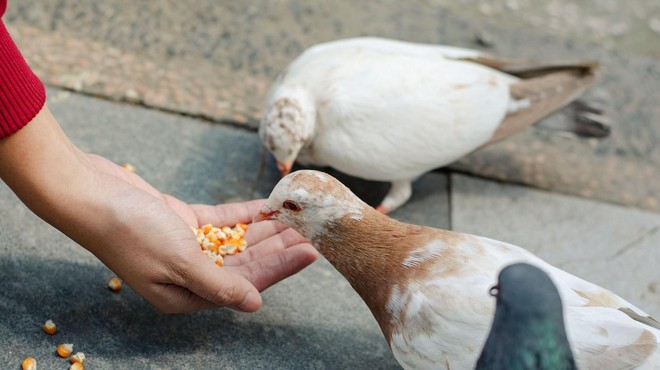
[216, 60]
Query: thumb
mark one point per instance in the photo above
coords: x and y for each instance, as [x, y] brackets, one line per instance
[221, 287]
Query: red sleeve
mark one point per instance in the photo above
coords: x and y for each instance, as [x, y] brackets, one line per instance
[22, 95]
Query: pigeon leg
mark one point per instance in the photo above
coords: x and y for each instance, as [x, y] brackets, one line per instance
[399, 193]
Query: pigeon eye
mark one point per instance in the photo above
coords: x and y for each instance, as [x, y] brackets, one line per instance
[494, 290]
[291, 206]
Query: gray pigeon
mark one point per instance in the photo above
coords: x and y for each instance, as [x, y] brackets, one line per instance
[528, 328]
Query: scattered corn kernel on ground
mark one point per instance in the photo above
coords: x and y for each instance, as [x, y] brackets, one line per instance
[29, 364]
[217, 242]
[114, 284]
[79, 357]
[49, 327]
[64, 350]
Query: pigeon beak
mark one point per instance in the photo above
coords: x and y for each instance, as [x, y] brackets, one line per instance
[265, 214]
[285, 167]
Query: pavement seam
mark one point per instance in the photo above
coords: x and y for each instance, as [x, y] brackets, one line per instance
[634, 243]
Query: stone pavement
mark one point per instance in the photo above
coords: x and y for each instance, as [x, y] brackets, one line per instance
[312, 320]
[216, 59]
[170, 72]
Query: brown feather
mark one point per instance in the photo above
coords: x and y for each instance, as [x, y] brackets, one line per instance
[376, 261]
[622, 358]
[547, 86]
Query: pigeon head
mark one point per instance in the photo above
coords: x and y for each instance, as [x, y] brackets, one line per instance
[528, 328]
[287, 126]
[310, 202]
[526, 289]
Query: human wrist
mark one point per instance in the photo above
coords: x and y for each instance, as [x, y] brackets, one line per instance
[43, 168]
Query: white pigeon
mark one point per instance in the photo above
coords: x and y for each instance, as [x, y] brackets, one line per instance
[428, 288]
[388, 110]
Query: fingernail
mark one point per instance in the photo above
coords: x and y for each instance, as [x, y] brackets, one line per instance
[251, 302]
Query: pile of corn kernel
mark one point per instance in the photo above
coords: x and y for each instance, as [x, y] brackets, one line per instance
[217, 242]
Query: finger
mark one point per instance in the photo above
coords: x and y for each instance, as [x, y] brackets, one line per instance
[219, 286]
[271, 245]
[260, 231]
[269, 270]
[227, 214]
[256, 231]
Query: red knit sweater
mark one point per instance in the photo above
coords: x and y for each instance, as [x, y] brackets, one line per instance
[22, 95]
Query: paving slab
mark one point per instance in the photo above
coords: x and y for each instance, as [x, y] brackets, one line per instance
[313, 320]
[217, 59]
[615, 247]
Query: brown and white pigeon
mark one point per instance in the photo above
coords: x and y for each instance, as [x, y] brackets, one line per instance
[387, 110]
[428, 288]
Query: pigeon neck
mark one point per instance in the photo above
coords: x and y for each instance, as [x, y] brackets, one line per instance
[370, 254]
[299, 96]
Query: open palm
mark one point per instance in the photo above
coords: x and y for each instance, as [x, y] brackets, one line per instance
[158, 256]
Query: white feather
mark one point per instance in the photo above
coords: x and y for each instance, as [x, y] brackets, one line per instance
[384, 110]
[459, 308]
[372, 98]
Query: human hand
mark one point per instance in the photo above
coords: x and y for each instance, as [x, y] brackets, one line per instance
[144, 236]
[169, 270]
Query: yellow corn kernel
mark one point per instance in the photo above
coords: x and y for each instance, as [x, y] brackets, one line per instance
[212, 237]
[78, 357]
[64, 350]
[217, 242]
[114, 284]
[129, 167]
[77, 366]
[242, 246]
[229, 249]
[29, 364]
[49, 327]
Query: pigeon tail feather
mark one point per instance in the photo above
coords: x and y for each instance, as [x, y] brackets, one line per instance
[544, 89]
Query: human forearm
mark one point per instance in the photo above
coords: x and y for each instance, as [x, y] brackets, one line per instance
[39, 163]
[45, 170]
[141, 234]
